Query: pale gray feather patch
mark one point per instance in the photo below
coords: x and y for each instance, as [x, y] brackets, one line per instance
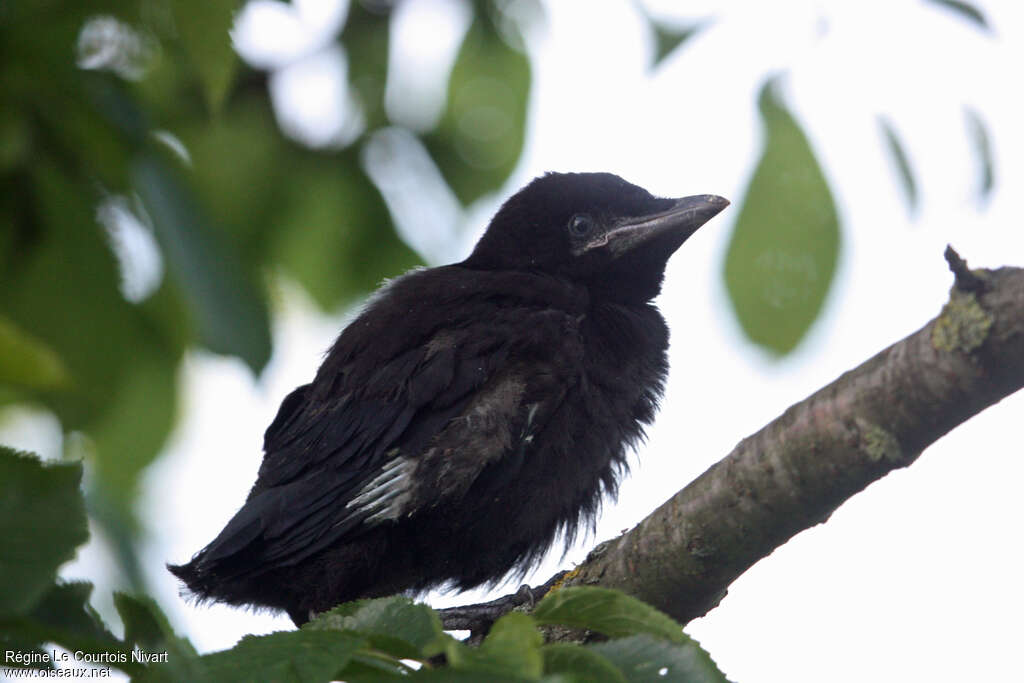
[385, 495]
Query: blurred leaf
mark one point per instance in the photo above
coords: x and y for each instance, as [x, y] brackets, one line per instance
[645, 659]
[145, 625]
[167, 657]
[784, 247]
[147, 629]
[171, 90]
[65, 606]
[62, 289]
[394, 625]
[241, 164]
[480, 135]
[166, 316]
[313, 212]
[15, 138]
[42, 521]
[982, 144]
[202, 27]
[668, 38]
[335, 235]
[365, 37]
[965, 10]
[606, 611]
[902, 161]
[581, 662]
[14, 641]
[229, 310]
[64, 616]
[312, 656]
[450, 675]
[113, 511]
[369, 666]
[28, 362]
[129, 436]
[119, 111]
[56, 109]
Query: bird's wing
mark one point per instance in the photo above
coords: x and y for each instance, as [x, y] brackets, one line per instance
[416, 431]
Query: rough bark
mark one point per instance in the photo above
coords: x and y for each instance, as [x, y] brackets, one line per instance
[797, 470]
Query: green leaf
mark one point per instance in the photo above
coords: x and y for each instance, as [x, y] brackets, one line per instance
[130, 435]
[902, 161]
[374, 667]
[966, 11]
[302, 656]
[365, 37]
[64, 616]
[42, 521]
[982, 144]
[229, 310]
[15, 138]
[784, 247]
[29, 362]
[480, 136]
[514, 644]
[668, 38]
[512, 648]
[65, 608]
[395, 625]
[145, 625]
[583, 663]
[314, 213]
[644, 659]
[62, 289]
[147, 630]
[202, 27]
[450, 675]
[606, 611]
[335, 235]
[240, 161]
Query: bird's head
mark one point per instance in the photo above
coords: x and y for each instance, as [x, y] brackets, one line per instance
[593, 228]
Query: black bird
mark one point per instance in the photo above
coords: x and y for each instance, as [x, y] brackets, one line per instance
[472, 412]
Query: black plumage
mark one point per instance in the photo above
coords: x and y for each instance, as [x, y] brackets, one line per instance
[470, 414]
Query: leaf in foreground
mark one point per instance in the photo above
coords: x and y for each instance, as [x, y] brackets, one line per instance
[512, 648]
[581, 662]
[302, 656]
[606, 611]
[42, 521]
[646, 659]
[394, 625]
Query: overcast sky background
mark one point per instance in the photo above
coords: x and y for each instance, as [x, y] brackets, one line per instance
[917, 578]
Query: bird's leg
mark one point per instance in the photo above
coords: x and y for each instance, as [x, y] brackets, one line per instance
[479, 618]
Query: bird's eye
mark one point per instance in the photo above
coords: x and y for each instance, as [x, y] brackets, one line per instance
[580, 224]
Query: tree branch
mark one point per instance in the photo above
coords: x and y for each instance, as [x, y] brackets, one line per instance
[798, 469]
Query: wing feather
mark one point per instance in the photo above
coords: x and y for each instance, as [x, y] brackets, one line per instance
[363, 447]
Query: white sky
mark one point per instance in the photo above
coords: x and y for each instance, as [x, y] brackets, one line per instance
[917, 578]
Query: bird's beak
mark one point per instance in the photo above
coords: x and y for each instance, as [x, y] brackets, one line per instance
[681, 220]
